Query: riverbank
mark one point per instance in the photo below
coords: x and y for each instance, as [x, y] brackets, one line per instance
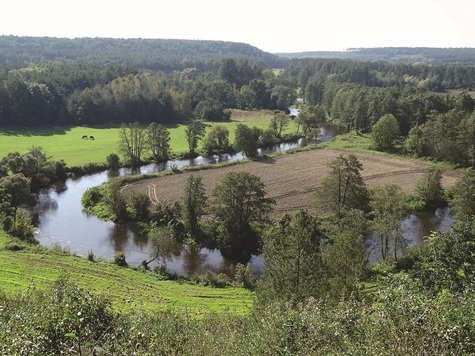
[30, 266]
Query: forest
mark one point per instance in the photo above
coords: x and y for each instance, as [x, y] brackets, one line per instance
[317, 292]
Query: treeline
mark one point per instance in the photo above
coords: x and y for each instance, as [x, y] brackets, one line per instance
[435, 77]
[151, 54]
[358, 95]
[70, 94]
[396, 55]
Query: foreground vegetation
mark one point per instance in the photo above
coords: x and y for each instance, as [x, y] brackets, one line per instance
[23, 267]
[399, 319]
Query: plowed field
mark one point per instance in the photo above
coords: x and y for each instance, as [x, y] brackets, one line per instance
[291, 179]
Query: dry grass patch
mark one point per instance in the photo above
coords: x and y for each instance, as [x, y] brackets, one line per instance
[292, 179]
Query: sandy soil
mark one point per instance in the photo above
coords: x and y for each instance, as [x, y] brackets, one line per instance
[291, 179]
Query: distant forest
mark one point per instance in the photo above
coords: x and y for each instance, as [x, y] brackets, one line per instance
[396, 54]
[51, 81]
[151, 54]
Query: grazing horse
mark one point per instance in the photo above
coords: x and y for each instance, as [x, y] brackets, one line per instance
[91, 138]
[84, 137]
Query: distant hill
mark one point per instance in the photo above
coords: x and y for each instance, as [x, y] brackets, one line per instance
[154, 54]
[395, 54]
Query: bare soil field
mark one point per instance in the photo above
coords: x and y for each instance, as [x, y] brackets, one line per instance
[291, 179]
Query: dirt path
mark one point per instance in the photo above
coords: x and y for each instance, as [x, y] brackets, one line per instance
[291, 179]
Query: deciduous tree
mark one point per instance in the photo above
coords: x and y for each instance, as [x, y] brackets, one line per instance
[217, 140]
[278, 124]
[194, 132]
[239, 200]
[194, 204]
[246, 140]
[385, 133]
[463, 193]
[292, 256]
[158, 139]
[132, 139]
[162, 243]
[343, 188]
[389, 206]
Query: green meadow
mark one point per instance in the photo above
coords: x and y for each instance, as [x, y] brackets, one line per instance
[126, 287]
[66, 142]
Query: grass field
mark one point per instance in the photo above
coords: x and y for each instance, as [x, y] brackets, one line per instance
[127, 288]
[66, 142]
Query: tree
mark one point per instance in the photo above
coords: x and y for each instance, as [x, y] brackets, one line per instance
[158, 139]
[239, 200]
[343, 188]
[19, 224]
[283, 96]
[132, 138]
[162, 243]
[389, 206]
[466, 139]
[429, 189]
[462, 201]
[292, 260]
[345, 255]
[385, 133]
[194, 132]
[113, 161]
[278, 124]
[314, 91]
[17, 188]
[310, 118]
[194, 204]
[115, 201]
[246, 140]
[217, 140]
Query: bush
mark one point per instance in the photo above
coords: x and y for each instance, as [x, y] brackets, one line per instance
[63, 319]
[139, 205]
[119, 259]
[90, 256]
[244, 277]
[19, 225]
[113, 161]
[91, 197]
[213, 280]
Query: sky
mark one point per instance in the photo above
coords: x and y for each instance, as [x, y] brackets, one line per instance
[272, 26]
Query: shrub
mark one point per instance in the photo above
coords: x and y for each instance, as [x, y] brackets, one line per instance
[113, 161]
[91, 197]
[119, 259]
[63, 319]
[90, 256]
[243, 276]
[19, 225]
[211, 279]
[139, 205]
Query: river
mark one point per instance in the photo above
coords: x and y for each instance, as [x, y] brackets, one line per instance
[60, 220]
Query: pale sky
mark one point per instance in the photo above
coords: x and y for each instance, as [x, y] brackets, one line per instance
[273, 26]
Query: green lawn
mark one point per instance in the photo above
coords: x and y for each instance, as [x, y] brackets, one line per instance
[126, 287]
[66, 142]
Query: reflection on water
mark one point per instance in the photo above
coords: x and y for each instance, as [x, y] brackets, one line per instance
[60, 219]
[415, 228]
